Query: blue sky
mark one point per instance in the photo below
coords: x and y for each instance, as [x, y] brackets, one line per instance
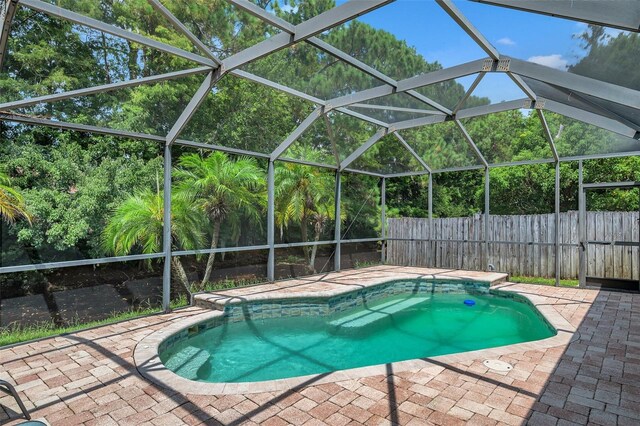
[538, 38]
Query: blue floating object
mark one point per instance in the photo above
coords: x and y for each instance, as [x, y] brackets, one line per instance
[469, 302]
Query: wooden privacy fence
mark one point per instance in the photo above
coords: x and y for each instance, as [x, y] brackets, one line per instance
[519, 245]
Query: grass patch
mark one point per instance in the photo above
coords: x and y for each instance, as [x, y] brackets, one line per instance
[13, 335]
[543, 281]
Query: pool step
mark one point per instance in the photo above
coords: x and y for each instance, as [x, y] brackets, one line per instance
[377, 312]
[188, 361]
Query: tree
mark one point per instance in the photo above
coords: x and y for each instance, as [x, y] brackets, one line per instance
[137, 225]
[222, 187]
[12, 206]
[73, 182]
[612, 59]
[304, 196]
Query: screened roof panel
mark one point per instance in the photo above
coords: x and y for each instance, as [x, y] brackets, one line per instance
[628, 113]
[312, 71]
[331, 139]
[131, 15]
[496, 88]
[150, 108]
[449, 93]
[401, 39]
[349, 132]
[575, 138]
[244, 115]
[509, 136]
[387, 155]
[583, 101]
[390, 47]
[316, 145]
[615, 52]
[292, 11]
[441, 146]
[590, 50]
[75, 58]
[224, 28]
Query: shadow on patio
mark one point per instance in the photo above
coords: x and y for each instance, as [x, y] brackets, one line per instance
[594, 379]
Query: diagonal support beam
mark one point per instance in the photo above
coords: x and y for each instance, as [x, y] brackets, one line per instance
[362, 149]
[345, 57]
[363, 117]
[35, 121]
[591, 118]
[557, 107]
[76, 18]
[261, 13]
[493, 108]
[468, 27]
[394, 108]
[445, 74]
[359, 97]
[422, 98]
[523, 86]
[296, 134]
[472, 144]
[418, 122]
[407, 174]
[103, 88]
[179, 26]
[577, 100]
[197, 100]
[578, 83]
[326, 20]
[468, 93]
[548, 135]
[412, 152]
[581, 102]
[7, 12]
[282, 88]
[409, 84]
[336, 16]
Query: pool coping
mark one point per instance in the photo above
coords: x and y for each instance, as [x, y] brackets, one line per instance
[150, 366]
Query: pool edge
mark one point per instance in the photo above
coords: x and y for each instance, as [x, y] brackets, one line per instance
[147, 360]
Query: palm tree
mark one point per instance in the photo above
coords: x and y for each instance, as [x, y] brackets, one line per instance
[224, 188]
[305, 195]
[137, 223]
[12, 204]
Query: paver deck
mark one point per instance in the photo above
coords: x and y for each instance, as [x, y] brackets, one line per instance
[90, 378]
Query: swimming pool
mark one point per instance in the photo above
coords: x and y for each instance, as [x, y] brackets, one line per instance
[394, 322]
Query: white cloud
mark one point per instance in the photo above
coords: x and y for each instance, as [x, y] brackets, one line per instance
[613, 32]
[506, 41]
[554, 61]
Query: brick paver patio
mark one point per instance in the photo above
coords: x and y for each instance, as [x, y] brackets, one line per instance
[90, 378]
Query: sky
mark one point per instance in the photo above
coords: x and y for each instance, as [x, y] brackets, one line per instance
[533, 37]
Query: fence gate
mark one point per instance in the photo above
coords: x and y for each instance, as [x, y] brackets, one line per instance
[612, 262]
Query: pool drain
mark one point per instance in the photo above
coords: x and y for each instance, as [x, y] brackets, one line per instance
[497, 365]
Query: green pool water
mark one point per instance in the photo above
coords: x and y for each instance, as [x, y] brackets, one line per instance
[393, 329]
